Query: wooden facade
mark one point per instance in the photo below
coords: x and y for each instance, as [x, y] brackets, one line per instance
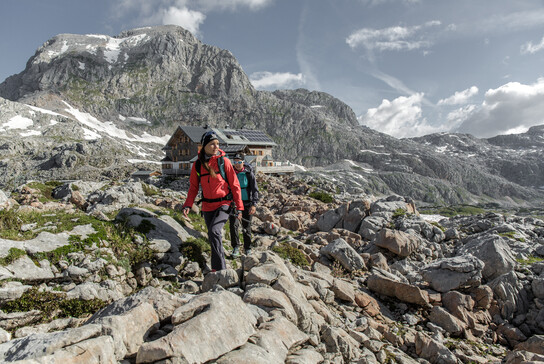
[183, 147]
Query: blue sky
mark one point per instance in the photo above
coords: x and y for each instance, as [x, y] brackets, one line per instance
[406, 67]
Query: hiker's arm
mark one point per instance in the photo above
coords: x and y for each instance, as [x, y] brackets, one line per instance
[193, 188]
[254, 189]
[234, 185]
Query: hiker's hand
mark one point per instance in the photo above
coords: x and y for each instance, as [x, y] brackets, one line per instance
[186, 211]
[239, 215]
[252, 210]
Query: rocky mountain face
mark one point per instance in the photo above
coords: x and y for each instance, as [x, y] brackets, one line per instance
[516, 157]
[368, 280]
[144, 82]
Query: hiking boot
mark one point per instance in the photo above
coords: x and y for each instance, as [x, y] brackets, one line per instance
[248, 251]
[235, 252]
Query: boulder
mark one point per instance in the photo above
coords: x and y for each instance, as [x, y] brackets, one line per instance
[397, 242]
[433, 351]
[269, 299]
[100, 350]
[441, 317]
[510, 294]
[535, 344]
[370, 226]
[225, 278]
[207, 327]
[331, 218]
[453, 273]
[494, 251]
[343, 290]
[537, 286]
[339, 341]
[352, 221]
[130, 329]
[24, 269]
[388, 285]
[269, 345]
[164, 303]
[37, 345]
[290, 221]
[348, 257]
[304, 356]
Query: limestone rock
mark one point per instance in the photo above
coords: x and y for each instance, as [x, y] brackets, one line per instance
[226, 278]
[163, 302]
[457, 272]
[340, 250]
[494, 252]
[37, 345]
[130, 329]
[207, 327]
[397, 242]
[387, 286]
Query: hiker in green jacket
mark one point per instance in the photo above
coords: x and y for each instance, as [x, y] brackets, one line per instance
[250, 197]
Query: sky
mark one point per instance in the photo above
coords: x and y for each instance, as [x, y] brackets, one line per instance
[406, 67]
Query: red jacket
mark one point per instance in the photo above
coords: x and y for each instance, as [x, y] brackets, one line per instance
[214, 187]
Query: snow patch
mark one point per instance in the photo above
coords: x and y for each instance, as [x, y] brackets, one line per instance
[90, 135]
[441, 149]
[142, 161]
[373, 151]
[111, 130]
[31, 133]
[43, 111]
[432, 218]
[17, 122]
[138, 121]
[316, 106]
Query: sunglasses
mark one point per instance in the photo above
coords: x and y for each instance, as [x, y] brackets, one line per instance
[238, 162]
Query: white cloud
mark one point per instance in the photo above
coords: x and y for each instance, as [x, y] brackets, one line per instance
[189, 14]
[511, 107]
[380, 2]
[460, 97]
[233, 4]
[530, 48]
[188, 19]
[269, 80]
[400, 118]
[392, 38]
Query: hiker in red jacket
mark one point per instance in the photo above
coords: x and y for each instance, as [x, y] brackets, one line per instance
[217, 193]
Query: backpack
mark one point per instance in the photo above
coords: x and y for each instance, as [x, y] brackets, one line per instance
[221, 165]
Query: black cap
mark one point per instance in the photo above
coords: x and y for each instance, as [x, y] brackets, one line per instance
[239, 156]
[208, 137]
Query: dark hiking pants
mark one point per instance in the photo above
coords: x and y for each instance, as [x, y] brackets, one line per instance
[235, 228]
[215, 221]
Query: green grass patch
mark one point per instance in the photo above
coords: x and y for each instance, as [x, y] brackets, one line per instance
[193, 248]
[11, 223]
[13, 255]
[434, 223]
[294, 255]
[45, 189]
[150, 190]
[399, 213]
[511, 235]
[52, 305]
[531, 259]
[321, 196]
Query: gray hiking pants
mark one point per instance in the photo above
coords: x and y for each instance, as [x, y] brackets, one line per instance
[215, 221]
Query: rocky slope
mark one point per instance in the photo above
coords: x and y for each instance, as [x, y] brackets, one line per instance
[365, 280]
[517, 157]
[150, 80]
